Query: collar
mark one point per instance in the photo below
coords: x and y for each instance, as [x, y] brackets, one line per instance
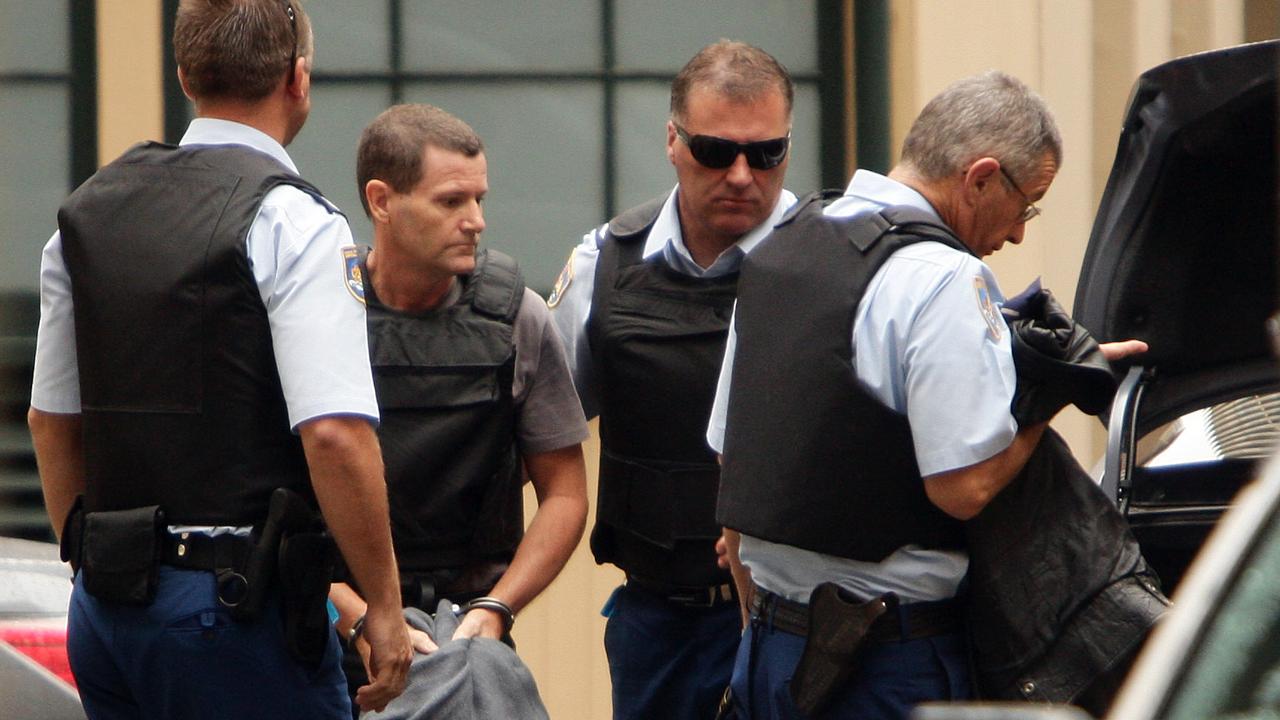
[869, 191]
[666, 238]
[212, 131]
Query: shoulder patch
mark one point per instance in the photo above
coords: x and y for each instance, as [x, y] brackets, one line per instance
[988, 309]
[352, 276]
[563, 281]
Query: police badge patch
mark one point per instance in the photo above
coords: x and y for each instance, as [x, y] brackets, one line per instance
[987, 308]
[351, 274]
[563, 281]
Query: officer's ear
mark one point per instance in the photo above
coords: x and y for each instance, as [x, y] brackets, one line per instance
[377, 195]
[182, 81]
[979, 178]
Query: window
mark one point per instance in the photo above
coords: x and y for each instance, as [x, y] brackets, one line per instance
[48, 145]
[48, 99]
[570, 97]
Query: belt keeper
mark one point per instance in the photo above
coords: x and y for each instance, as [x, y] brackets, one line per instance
[496, 605]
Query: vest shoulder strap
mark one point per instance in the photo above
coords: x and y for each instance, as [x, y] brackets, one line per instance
[496, 286]
[635, 223]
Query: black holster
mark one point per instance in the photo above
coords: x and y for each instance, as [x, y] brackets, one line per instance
[838, 623]
[306, 569]
[294, 548]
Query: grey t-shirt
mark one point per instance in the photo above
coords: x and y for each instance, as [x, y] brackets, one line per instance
[549, 415]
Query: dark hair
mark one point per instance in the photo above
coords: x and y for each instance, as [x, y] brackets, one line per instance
[993, 114]
[391, 147]
[735, 69]
[238, 49]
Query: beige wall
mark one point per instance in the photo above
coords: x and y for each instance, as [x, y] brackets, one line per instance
[130, 91]
[1083, 57]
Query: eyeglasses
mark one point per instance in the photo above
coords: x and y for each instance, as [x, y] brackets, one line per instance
[293, 25]
[1030, 211]
[719, 153]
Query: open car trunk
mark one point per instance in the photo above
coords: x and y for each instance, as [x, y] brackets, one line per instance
[1183, 255]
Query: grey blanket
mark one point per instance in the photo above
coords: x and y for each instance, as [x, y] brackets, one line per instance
[472, 679]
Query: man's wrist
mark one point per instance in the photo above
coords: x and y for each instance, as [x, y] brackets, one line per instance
[496, 606]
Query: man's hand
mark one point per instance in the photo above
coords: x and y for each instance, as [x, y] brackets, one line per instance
[1113, 351]
[422, 642]
[480, 622]
[722, 553]
[388, 659]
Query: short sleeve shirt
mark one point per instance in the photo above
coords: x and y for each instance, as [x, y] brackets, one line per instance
[295, 246]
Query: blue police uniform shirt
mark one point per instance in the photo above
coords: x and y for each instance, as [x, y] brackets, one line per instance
[570, 302]
[295, 250]
[928, 341]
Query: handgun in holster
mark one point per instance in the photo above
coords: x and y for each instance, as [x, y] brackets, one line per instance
[287, 513]
[306, 570]
[838, 624]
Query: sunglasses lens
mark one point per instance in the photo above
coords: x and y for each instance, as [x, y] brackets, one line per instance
[713, 152]
[767, 154]
[719, 153]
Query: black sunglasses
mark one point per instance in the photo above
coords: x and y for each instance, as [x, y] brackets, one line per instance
[719, 153]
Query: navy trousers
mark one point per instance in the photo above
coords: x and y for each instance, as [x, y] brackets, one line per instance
[892, 679]
[183, 657]
[666, 660]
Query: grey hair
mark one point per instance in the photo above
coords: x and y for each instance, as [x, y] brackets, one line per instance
[993, 114]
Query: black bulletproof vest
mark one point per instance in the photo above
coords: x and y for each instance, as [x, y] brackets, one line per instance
[180, 395]
[811, 459]
[448, 434]
[657, 340]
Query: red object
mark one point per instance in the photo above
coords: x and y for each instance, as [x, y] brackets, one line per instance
[45, 645]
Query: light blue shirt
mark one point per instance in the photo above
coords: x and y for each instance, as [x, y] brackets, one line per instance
[928, 342]
[294, 247]
[571, 304]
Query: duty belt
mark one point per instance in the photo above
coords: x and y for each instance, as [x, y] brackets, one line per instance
[904, 622]
[694, 597]
[196, 551]
[227, 556]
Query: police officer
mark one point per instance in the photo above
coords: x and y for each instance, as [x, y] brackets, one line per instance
[644, 306]
[198, 350]
[851, 454]
[472, 382]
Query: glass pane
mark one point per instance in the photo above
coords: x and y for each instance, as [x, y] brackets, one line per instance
[1235, 672]
[543, 143]
[804, 174]
[34, 139]
[34, 36]
[351, 37]
[325, 150]
[643, 169]
[787, 29]
[468, 36]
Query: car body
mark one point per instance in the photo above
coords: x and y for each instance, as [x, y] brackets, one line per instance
[35, 675]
